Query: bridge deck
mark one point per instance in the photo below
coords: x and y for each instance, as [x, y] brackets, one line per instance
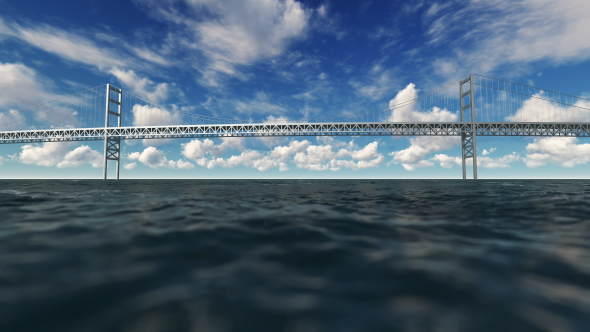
[575, 129]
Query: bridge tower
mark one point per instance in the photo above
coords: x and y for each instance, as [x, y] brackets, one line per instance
[468, 131]
[112, 144]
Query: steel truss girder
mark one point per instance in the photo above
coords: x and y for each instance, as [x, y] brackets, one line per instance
[573, 129]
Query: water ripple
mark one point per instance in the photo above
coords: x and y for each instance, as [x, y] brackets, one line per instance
[300, 255]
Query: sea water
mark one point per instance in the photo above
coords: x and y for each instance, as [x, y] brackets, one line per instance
[294, 255]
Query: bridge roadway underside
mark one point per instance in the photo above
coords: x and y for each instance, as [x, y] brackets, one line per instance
[575, 129]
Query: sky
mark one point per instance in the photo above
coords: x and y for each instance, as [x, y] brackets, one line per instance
[290, 59]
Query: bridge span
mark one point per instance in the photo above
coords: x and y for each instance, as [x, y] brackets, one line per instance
[505, 109]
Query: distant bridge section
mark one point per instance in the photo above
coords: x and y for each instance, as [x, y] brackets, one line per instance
[475, 106]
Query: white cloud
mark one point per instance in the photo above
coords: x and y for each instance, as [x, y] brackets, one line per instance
[336, 164]
[539, 109]
[330, 140]
[48, 154]
[75, 47]
[197, 149]
[144, 87]
[447, 161]
[323, 157]
[415, 155]
[486, 152]
[152, 157]
[130, 166]
[315, 157]
[485, 162]
[155, 158]
[233, 32]
[509, 32]
[21, 86]
[404, 110]
[563, 151]
[305, 156]
[183, 164]
[65, 44]
[144, 115]
[1, 160]
[82, 155]
[247, 158]
[54, 153]
[500, 162]
[283, 154]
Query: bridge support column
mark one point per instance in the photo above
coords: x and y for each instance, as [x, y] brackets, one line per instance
[468, 129]
[112, 144]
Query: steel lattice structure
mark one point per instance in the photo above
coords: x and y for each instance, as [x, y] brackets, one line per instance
[524, 111]
[302, 129]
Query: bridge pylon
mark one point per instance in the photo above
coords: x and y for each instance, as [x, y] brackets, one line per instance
[112, 144]
[468, 131]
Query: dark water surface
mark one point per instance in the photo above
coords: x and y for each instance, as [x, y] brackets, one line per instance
[307, 255]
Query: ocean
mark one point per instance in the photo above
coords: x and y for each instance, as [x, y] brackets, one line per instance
[294, 255]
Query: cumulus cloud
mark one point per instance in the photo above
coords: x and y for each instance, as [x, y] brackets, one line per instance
[446, 161]
[130, 166]
[500, 162]
[415, 155]
[563, 151]
[82, 155]
[152, 157]
[144, 115]
[282, 154]
[486, 152]
[58, 154]
[323, 157]
[48, 154]
[208, 154]
[539, 109]
[248, 158]
[235, 32]
[403, 110]
[485, 162]
[315, 157]
[197, 149]
[304, 154]
[183, 164]
[1, 160]
[155, 158]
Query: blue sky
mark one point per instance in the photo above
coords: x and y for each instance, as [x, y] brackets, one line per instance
[290, 59]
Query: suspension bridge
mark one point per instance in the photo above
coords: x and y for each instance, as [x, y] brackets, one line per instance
[470, 107]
